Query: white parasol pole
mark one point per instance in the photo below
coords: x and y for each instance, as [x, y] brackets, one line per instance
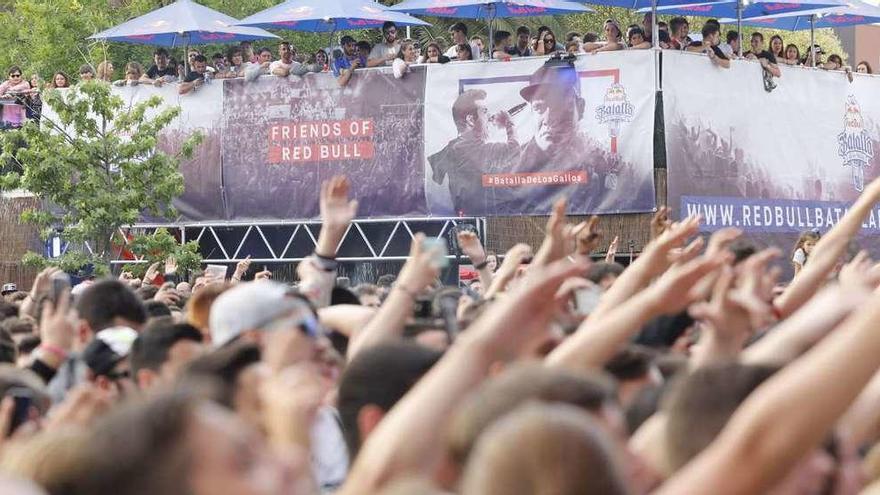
[813, 38]
[739, 26]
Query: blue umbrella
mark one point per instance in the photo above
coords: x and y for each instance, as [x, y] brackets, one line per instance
[490, 9]
[853, 13]
[737, 9]
[328, 16]
[184, 22]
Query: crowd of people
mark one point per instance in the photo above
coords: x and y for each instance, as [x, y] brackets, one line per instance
[695, 369]
[242, 61]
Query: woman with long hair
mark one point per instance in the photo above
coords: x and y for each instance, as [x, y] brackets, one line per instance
[777, 47]
[792, 55]
[433, 55]
[59, 80]
[802, 249]
[864, 68]
[105, 71]
[405, 57]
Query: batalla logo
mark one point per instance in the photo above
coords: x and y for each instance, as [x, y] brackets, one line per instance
[854, 144]
[615, 110]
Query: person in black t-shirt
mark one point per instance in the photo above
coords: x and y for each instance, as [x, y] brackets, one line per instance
[197, 77]
[709, 45]
[768, 61]
[161, 71]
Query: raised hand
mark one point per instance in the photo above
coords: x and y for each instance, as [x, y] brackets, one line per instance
[860, 272]
[263, 275]
[509, 266]
[660, 222]
[470, 246]
[171, 265]
[241, 268]
[337, 210]
[587, 236]
[612, 251]
[152, 274]
[420, 271]
[557, 238]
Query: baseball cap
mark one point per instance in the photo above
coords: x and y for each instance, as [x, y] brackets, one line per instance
[108, 348]
[7, 288]
[254, 306]
[558, 77]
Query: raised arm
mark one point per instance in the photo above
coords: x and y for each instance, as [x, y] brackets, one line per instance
[513, 325]
[826, 253]
[470, 246]
[596, 342]
[417, 274]
[788, 415]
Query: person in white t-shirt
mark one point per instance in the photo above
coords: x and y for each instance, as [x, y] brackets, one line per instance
[384, 53]
[406, 57]
[285, 64]
[458, 32]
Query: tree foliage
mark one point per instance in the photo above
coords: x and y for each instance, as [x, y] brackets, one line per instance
[97, 167]
[158, 247]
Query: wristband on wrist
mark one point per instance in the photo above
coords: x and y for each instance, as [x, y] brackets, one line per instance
[480, 266]
[54, 350]
[324, 263]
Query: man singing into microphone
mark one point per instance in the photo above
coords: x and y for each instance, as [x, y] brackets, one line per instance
[468, 157]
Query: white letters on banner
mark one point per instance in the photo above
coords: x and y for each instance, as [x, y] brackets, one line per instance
[773, 163]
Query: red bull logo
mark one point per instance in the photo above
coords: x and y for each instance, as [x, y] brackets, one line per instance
[855, 145]
[364, 22]
[696, 8]
[781, 7]
[218, 36]
[530, 10]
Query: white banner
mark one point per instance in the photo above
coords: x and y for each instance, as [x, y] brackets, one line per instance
[778, 162]
[584, 131]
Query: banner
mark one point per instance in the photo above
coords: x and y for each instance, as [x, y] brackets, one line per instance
[771, 163]
[509, 138]
[283, 137]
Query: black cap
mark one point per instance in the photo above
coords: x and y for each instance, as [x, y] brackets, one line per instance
[108, 348]
[559, 77]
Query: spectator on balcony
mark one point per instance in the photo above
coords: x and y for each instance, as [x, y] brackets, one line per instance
[777, 47]
[502, 45]
[465, 53]
[352, 59]
[731, 47]
[219, 62]
[478, 45]
[864, 68]
[572, 48]
[236, 64]
[405, 57]
[613, 41]
[679, 33]
[546, 44]
[523, 47]
[573, 36]
[161, 71]
[86, 72]
[133, 73]
[385, 53]
[16, 84]
[709, 45]
[285, 63]
[808, 58]
[59, 80]
[105, 71]
[253, 71]
[834, 63]
[648, 26]
[321, 61]
[433, 55]
[767, 59]
[459, 34]
[364, 48]
[197, 77]
[247, 51]
[792, 55]
[638, 39]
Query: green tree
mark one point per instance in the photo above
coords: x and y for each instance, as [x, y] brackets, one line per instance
[158, 247]
[97, 168]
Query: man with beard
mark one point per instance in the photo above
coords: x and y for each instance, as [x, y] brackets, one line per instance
[467, 157]
[587, 171]
[384, 53]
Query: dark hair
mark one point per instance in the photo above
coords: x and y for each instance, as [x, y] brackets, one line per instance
[66, 79]
[465, 47]
[150, 349]
[147, 292]
[713, 21]
[635, 30]
[86, 69]
[284, 43]
[201, 59]
[598, 271]
[459, 26]
[709, 29]
[388, 25]
[781, 53]
[346, 39]
[230, 54]
[156, 308]
[590, 38]
[265, 50]
[797, 50]
[835, 58]
[28, 344]
[758, 34]
[224, 365]
[631, 363]
[866, 64]
[8, 350]
[676, 22]
[741, 250]
[18, 326]
[523, 30]
[732, 35]
[160, 51]
[7, 310]
[139, 448]
[501, 36]
[106, 300]
[14, 68]
[216, 56]
[701, 402]
[364, 45]
[380, 375]
[571, 35]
